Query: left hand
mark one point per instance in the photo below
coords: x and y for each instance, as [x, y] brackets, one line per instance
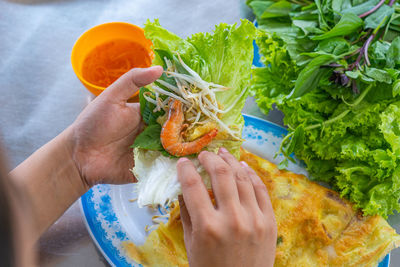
[101, 136]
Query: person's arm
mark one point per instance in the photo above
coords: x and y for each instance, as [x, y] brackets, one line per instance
[50, 181]
[240, 230]
[94, 149]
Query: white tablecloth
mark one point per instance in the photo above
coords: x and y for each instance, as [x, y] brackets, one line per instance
[40, 95]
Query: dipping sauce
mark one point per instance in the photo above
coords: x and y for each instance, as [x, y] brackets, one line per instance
[108, 61]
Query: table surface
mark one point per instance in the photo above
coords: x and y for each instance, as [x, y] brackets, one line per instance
[41, 96]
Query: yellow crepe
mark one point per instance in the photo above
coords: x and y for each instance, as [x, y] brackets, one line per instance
[315, 227]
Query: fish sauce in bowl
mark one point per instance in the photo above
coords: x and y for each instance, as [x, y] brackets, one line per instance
[108, 61]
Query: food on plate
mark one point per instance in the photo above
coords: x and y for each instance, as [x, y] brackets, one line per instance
[164, 246]
[332, 68]
[316, 227]
[195, 105]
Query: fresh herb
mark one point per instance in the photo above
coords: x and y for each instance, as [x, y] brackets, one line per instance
[149, 138]
[147, 109]
[332, 67]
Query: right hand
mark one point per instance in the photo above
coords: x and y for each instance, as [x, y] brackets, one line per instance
[240, 230]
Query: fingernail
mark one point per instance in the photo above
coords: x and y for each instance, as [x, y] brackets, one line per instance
[244, 164]
[156, 67]
[182, 160]
[202, 152]
[223, 150]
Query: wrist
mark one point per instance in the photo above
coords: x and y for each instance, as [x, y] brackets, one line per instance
[69, 147]
[50, 180]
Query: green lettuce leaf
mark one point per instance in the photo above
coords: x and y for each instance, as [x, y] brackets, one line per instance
[390, 126]
[272, 83]
[222, 57]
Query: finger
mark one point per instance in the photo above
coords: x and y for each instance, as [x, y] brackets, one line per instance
[261, 192]
[194, 191]
[135, 107]
[185, 218]
[129, 83]
[222, 180]
[244, 185]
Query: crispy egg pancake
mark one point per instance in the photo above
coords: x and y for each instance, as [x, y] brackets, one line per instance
[164, 246]
[315, 227]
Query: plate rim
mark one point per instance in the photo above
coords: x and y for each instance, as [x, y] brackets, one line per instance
[86, 215]
[94, 239]
[261, 120]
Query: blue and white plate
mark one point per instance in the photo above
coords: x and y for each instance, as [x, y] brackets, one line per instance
[112, 218]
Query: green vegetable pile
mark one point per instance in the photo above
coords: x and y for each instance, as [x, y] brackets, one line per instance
[332, 67]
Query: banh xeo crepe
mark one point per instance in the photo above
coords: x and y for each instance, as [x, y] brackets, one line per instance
[195, 105]
[315, 227]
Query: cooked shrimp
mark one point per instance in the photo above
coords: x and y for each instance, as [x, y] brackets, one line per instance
[171, 133]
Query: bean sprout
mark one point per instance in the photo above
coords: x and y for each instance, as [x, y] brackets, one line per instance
[149, 99]
[198, 96]
[162, 91]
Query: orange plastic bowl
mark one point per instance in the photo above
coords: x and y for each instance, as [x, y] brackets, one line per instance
[101, 34]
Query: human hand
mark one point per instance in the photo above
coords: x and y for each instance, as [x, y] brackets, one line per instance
[101, 136]
[240, 230]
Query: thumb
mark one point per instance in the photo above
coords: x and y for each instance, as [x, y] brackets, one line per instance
[129, 83]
